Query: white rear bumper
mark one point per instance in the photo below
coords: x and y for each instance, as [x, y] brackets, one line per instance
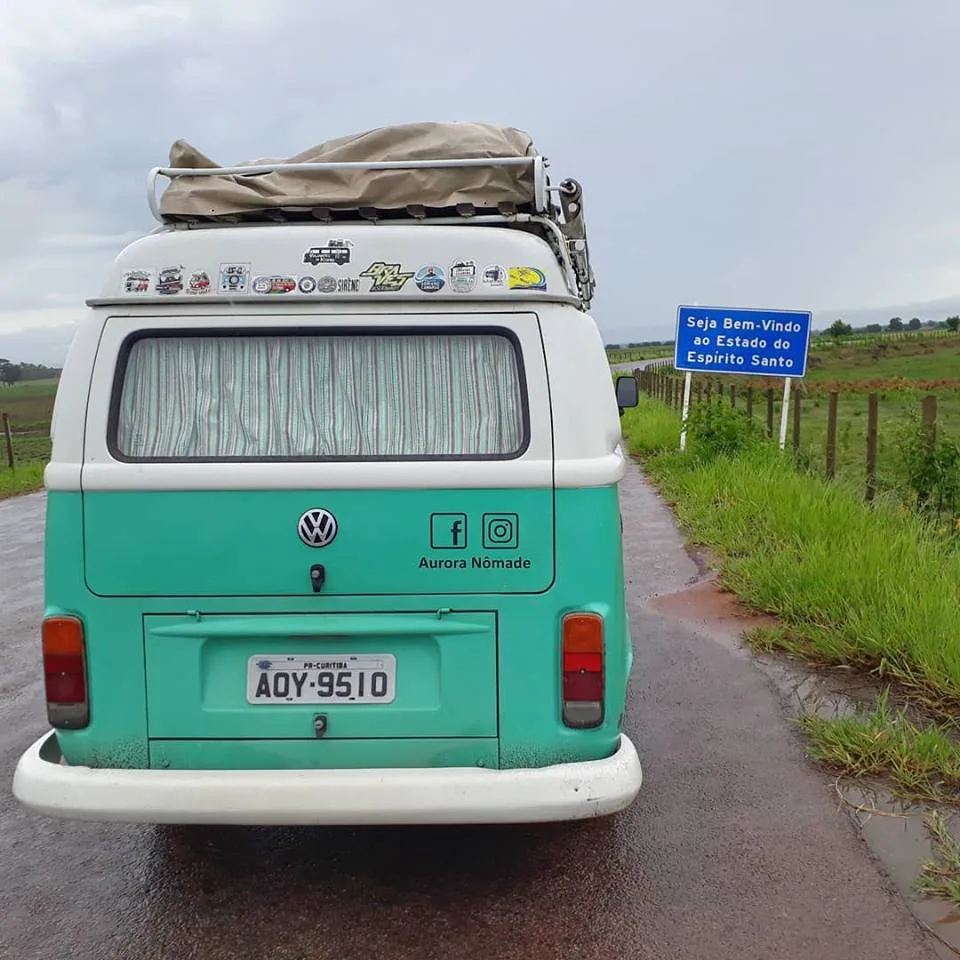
[571, 791]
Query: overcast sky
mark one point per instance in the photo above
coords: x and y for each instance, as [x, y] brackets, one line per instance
[732, 152]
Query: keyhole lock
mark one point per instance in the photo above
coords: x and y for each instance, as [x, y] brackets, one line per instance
[317, 577]
[320, 724]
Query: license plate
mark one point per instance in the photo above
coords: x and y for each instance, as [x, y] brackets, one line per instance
[332, 678]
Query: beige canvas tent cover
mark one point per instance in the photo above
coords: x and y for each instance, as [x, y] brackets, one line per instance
[483, 187]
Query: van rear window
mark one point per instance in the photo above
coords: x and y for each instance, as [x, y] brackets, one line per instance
[282, 396]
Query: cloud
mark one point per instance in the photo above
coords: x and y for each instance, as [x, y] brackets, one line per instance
[742, 153]
[47, 341]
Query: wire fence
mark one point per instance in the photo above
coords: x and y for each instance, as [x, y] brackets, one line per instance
[854, 436]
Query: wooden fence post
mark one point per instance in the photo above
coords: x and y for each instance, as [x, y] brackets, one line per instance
[770, 412]
[929, 407]
[699, 391]
[709, 389]
[930, 419]
[9, 439]
[832, 436]
[733, 396]
[872, 418]
[749, 401]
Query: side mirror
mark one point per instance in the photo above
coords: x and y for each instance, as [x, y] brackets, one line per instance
[628, 394]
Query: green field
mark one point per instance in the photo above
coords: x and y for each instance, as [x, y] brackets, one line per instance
[930, 360]
[895, 410]
[900, 369]
[631, 354]
[29, 406]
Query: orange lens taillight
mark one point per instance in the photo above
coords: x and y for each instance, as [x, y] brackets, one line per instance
[582, 640]
[65, 672]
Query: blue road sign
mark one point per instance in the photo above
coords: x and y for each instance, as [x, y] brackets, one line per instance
[765, 343]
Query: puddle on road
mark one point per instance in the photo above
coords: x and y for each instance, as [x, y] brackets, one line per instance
[710, 610]
[894, 831]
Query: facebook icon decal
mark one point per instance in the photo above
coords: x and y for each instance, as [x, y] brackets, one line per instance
[448, 531]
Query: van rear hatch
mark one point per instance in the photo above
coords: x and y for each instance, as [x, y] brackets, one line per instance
[227, 446]
[266, 470]
[381, 675]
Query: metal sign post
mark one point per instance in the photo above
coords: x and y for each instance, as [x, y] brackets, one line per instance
[686, 410]
[784, 409]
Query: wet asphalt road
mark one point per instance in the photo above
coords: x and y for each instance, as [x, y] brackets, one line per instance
[734, 849]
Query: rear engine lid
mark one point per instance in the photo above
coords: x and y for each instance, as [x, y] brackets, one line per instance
[368, 676]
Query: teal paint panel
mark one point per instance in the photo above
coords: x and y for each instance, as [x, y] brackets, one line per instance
[321, 754]
[589, 578]
[389, 542]
[526, 650]
[117, 733]
[446, 675]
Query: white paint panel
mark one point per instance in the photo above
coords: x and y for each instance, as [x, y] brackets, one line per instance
[533, 469]
[279, 250]
[569, 791]
[584, 418]
[585, 414]
[72, 392]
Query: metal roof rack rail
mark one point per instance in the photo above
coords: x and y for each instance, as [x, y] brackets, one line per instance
[556, 212]
[538, 163]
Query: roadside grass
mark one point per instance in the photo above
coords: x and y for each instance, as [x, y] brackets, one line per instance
[923, 762]
[875, 588]
[650, 427]
[940, 877]
[30, 408]
[869, 588]
[25, 479]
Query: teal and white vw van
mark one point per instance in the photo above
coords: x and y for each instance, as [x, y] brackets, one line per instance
[332, 530]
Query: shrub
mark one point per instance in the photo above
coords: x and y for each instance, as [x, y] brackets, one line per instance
[716, 429]
[932, 470]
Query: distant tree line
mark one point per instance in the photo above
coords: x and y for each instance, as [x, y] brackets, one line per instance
[894, 325]
[638, 344]
[839, 328]
[11, 373]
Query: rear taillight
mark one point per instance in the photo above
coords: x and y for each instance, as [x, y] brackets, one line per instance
[65, 672]
[582, 670]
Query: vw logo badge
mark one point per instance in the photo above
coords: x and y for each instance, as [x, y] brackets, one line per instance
[317, 528]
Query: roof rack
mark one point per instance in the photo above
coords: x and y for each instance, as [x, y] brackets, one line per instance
[556, 211]
[541, 184]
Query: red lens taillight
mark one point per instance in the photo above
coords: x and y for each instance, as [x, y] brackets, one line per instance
[65, 672]
[583, 670]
